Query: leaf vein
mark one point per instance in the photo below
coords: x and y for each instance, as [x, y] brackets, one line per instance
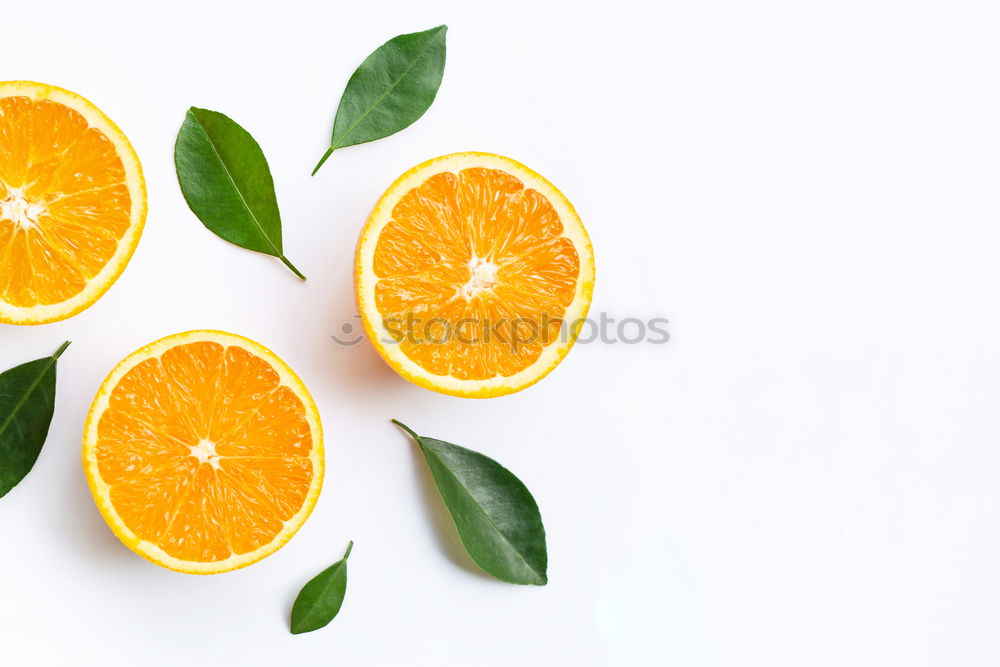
[381, 98]
[239, 193]
[488, 517]
[24, 398]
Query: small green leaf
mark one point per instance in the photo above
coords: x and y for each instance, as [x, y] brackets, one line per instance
[391, 89]
[496, 516]
[27, 399]
[226, 182]
[320, 600]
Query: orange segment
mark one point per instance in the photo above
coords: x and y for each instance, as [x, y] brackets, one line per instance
[473, 274]
[204, 452]
[72, 203]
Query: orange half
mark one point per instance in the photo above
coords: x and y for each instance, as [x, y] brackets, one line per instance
[473, 275]
[204, 452]
[72, 203]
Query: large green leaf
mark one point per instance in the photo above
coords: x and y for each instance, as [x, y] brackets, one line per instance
[391, 89]
[320, 600]
[27, 399]
[496, 516]
[227, 183]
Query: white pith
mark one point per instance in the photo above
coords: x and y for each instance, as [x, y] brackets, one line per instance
[204, 452]
[23, 212]
[483, 276]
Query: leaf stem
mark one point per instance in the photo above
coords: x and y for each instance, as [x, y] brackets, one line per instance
[326, 156]
[350, 545]
[290, 266]
[62, 348]
[406, 428]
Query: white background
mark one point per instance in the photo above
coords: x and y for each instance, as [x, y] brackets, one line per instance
[807, 474]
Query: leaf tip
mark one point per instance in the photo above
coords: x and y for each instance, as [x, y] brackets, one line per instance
[62, 348]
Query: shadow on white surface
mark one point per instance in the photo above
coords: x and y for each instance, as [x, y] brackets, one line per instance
[440, 522]
[354, 371]
[84, 527]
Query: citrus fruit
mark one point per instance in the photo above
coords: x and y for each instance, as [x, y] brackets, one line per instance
[72, 203]
[473, 275]
[204, 452]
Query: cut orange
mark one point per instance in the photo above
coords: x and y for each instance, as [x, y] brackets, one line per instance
[204, 452]
[473, 275]
[72, 203]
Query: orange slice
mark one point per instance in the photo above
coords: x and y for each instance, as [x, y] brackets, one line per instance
[473, 275]
[204, 452]
[72, 203]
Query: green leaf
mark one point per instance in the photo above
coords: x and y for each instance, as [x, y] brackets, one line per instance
[496, 516]
[27, 398]
[226, 182]
[320, 600]
[391, 89]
